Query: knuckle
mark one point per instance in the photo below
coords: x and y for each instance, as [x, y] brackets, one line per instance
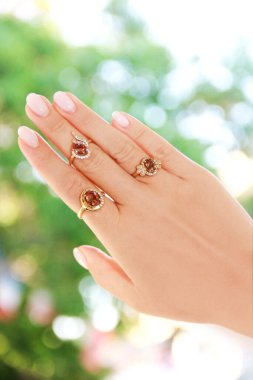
[87, 117]
[95, 161]
[125, 152]
[73, 186]
[140, 134]
[164, 150]
[43, 156]
[58, 125]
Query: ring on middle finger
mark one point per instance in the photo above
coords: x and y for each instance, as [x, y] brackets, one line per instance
[79, 149]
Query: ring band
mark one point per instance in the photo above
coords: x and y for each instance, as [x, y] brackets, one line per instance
[79, 149]
[148, 166]
[91, 199]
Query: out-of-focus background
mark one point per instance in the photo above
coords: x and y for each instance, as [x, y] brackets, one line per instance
[185, 69]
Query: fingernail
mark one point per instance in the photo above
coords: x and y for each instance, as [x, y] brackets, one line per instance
[37, 104]
[80, 258]
[28, 136]
[64, 102]
[120, 119]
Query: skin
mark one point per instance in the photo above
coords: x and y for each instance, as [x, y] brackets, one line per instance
[180, 246]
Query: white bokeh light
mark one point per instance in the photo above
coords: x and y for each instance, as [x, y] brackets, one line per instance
[143, 370]
[236, 172]
[9, 294]
[247, 88]
[155, 116]
[182, 80]
[105, 318]
[93, 295]
[80, 23]
[241, 113]
[209, 30]
[149, 330]
[68, 328]
[207, 126]
[215, 155]
[115, 74]
[203, 353]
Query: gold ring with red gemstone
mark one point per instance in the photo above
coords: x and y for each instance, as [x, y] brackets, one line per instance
[91, 199]
[148, 166]
[79, 149]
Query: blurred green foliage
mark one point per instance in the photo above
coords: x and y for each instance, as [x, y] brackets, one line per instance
[34, 222]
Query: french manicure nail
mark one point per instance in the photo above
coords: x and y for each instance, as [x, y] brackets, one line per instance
[28, 136]
[80, 258]
[37, 104]
[120, 119]
[64, 102]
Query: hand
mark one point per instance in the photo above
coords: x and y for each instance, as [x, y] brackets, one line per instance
[180, 245]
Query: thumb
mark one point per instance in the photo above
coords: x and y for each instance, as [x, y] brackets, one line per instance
[106, 272]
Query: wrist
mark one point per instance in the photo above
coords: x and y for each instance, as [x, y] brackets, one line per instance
[236, 308]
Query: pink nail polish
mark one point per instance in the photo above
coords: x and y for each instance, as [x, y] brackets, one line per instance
[80, 258]
[28, 136]
[37, 104]
[64, 102]
[121, 119]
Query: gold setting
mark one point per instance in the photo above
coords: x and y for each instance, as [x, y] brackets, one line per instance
[79, 149]
[99, 201]
[143, 169]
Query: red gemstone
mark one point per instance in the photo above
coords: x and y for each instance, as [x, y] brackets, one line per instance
[92, 198]
[79, 148]
[149, 165]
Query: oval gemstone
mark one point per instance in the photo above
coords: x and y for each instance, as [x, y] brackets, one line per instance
[79, 148]
[149, 165]
[92, 198]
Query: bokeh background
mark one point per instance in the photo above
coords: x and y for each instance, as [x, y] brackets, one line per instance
[185, 69]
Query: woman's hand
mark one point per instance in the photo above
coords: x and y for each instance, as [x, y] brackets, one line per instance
[180, 245]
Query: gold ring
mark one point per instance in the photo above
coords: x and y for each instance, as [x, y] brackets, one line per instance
[148, 166]
[79, 149]
[91, 199]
